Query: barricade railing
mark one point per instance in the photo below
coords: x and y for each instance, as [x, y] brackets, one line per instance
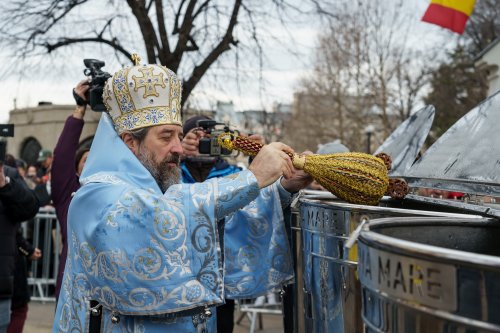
[254, 309]
[44, 233]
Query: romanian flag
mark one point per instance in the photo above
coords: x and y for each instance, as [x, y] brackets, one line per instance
[450, 14]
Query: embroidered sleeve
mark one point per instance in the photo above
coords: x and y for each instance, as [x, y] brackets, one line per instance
[235, 192]
[147, 253]
[227, 194]
[151, 253]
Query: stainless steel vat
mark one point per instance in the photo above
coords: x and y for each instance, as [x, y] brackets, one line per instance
[326, 269]
[465, 159]
[426, 275]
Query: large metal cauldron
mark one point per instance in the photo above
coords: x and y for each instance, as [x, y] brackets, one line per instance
[328, 295]
[464, 159]
[426, 275]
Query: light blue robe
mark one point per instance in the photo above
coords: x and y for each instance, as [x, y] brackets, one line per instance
[153, 260]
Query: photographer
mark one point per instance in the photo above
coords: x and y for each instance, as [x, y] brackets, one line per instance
[196, 168]
[17, 204]
[66, 169]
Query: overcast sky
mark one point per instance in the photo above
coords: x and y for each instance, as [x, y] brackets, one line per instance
[280, 74]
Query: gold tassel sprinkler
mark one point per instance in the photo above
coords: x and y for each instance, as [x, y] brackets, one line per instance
[354, 177]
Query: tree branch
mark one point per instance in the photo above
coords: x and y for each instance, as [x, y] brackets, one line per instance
[224, 45]
[68, 41]
[200, 9]
[105, 26]
[184, 35]
[147, 29]
[148, 7]
[164, 54]
[175, 31]
[50, 14]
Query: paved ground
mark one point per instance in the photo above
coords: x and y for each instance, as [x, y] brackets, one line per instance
[40, 318]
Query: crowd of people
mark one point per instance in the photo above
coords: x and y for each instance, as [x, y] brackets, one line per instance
[51, 182]
[17, 204]
[34, 181]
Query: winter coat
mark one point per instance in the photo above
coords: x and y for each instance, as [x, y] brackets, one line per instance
[17, 204]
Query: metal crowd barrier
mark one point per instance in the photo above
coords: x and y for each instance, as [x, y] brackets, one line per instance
[254, 311]
[44, 233]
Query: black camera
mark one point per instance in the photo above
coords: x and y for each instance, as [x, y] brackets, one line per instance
[210, 145]
[99, 78]
[6, 130]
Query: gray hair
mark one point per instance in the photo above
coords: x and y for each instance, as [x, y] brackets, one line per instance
[139, 134]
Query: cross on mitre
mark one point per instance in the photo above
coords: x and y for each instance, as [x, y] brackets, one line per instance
[148, 81]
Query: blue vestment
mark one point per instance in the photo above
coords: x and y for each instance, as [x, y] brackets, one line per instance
[153, 260]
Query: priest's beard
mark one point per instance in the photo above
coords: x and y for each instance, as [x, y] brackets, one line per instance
[164, 174]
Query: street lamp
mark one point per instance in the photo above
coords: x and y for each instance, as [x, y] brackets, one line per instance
[368, 131]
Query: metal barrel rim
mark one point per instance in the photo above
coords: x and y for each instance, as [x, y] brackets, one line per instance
[432, 252]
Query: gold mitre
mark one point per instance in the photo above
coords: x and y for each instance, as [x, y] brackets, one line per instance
[142, 96]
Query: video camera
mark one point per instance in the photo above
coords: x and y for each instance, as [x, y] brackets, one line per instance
[99, 78]
[210, 145]
[5, 131]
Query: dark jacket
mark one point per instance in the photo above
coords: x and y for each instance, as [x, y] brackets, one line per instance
[21, 294]
[64, 182]
[42, 195]
[17, 204]
[193, 172]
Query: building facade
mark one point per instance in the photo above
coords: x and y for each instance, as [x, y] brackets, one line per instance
[39, 128]
[490, 57]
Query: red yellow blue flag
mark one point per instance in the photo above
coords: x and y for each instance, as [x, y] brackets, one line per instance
[449, 14]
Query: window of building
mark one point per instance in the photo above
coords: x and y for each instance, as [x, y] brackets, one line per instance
[30, 149]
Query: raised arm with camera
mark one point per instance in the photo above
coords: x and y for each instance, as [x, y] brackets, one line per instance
[67, 166]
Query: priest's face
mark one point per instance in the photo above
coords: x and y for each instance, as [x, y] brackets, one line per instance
[160, 153]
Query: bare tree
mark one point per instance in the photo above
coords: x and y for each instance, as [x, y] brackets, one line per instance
[365, 73]
[458, 84]
[188, 36]
[483, 26]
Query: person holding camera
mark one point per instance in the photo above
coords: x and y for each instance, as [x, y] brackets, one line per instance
[17, 204]
[66, 169]
[198, 168]
[143, 248]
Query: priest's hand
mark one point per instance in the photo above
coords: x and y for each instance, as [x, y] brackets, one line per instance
[272, 162]
[298, 180]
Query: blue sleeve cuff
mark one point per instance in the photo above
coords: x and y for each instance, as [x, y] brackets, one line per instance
[235, 191]
[286, 197]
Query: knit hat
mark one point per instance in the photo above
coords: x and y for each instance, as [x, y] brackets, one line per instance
[192, 123]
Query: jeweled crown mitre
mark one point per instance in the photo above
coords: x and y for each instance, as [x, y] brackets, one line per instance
[142, 96]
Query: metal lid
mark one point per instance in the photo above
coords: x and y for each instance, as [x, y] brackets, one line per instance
[467, 157]
[407, 139]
